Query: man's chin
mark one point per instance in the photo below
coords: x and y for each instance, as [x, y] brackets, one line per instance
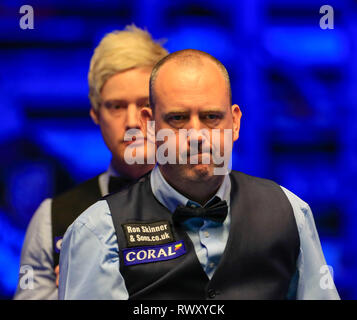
[200, 171]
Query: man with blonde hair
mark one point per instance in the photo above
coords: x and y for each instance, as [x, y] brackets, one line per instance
[118, 88]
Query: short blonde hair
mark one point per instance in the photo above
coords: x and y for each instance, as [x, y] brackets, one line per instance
[119, 51]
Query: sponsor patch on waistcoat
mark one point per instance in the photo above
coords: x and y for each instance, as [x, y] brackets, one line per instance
[148, 234]
[153, 253]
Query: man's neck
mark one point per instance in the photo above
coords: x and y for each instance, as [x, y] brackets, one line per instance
[134, 171]
[199, 191]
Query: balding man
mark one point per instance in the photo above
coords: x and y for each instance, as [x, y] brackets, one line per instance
[190, 230]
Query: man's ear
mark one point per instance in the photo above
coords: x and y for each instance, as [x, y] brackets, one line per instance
[146, 114]
[237, 115]
[94, 115]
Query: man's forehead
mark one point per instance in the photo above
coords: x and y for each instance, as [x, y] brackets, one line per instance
[130, 84]
[120, 95]
[187, 79]
[188, 64]
[190, 106]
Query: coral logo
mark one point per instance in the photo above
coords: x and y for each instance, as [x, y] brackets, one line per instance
[154, 253]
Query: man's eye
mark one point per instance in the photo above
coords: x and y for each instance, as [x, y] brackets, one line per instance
[115, 105]
[143, 105]
[212, 116]
[177, 118]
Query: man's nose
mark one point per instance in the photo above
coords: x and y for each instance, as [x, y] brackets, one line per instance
[194, 126]
[194, 123]
[132, 117]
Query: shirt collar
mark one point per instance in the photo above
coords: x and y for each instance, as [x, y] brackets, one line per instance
[104, 179]
[171, 198]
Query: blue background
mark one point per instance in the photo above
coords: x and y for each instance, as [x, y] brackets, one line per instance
[295, 83]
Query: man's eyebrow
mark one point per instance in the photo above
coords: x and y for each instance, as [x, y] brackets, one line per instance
[213, 110]
[114, 101]
[173, 113]
[222, 113]
[142, 99]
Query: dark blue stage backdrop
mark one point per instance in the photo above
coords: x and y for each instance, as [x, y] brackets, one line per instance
[296, 84]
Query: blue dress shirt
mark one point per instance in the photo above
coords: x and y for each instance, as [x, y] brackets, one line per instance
[89, 261]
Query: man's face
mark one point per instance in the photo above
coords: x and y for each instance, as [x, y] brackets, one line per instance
[189, 97]
[123, 95]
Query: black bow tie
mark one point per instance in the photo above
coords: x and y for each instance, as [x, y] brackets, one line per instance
[118, 183]
[216, 210]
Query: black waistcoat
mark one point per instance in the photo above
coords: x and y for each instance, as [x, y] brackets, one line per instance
[68, 206]
[258, 262]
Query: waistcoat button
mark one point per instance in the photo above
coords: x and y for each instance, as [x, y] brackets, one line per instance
[211, 293]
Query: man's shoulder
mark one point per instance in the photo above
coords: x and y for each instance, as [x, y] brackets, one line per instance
[41, 219]
[67, 206]
[300, 208]
[94, 216]
[79, 189]
[43, 208]
[139, 186]
[40, 222]
[247, 178]
[293, 198]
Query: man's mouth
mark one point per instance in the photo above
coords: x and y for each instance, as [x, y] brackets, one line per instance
[135, 141]
[199, 153]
